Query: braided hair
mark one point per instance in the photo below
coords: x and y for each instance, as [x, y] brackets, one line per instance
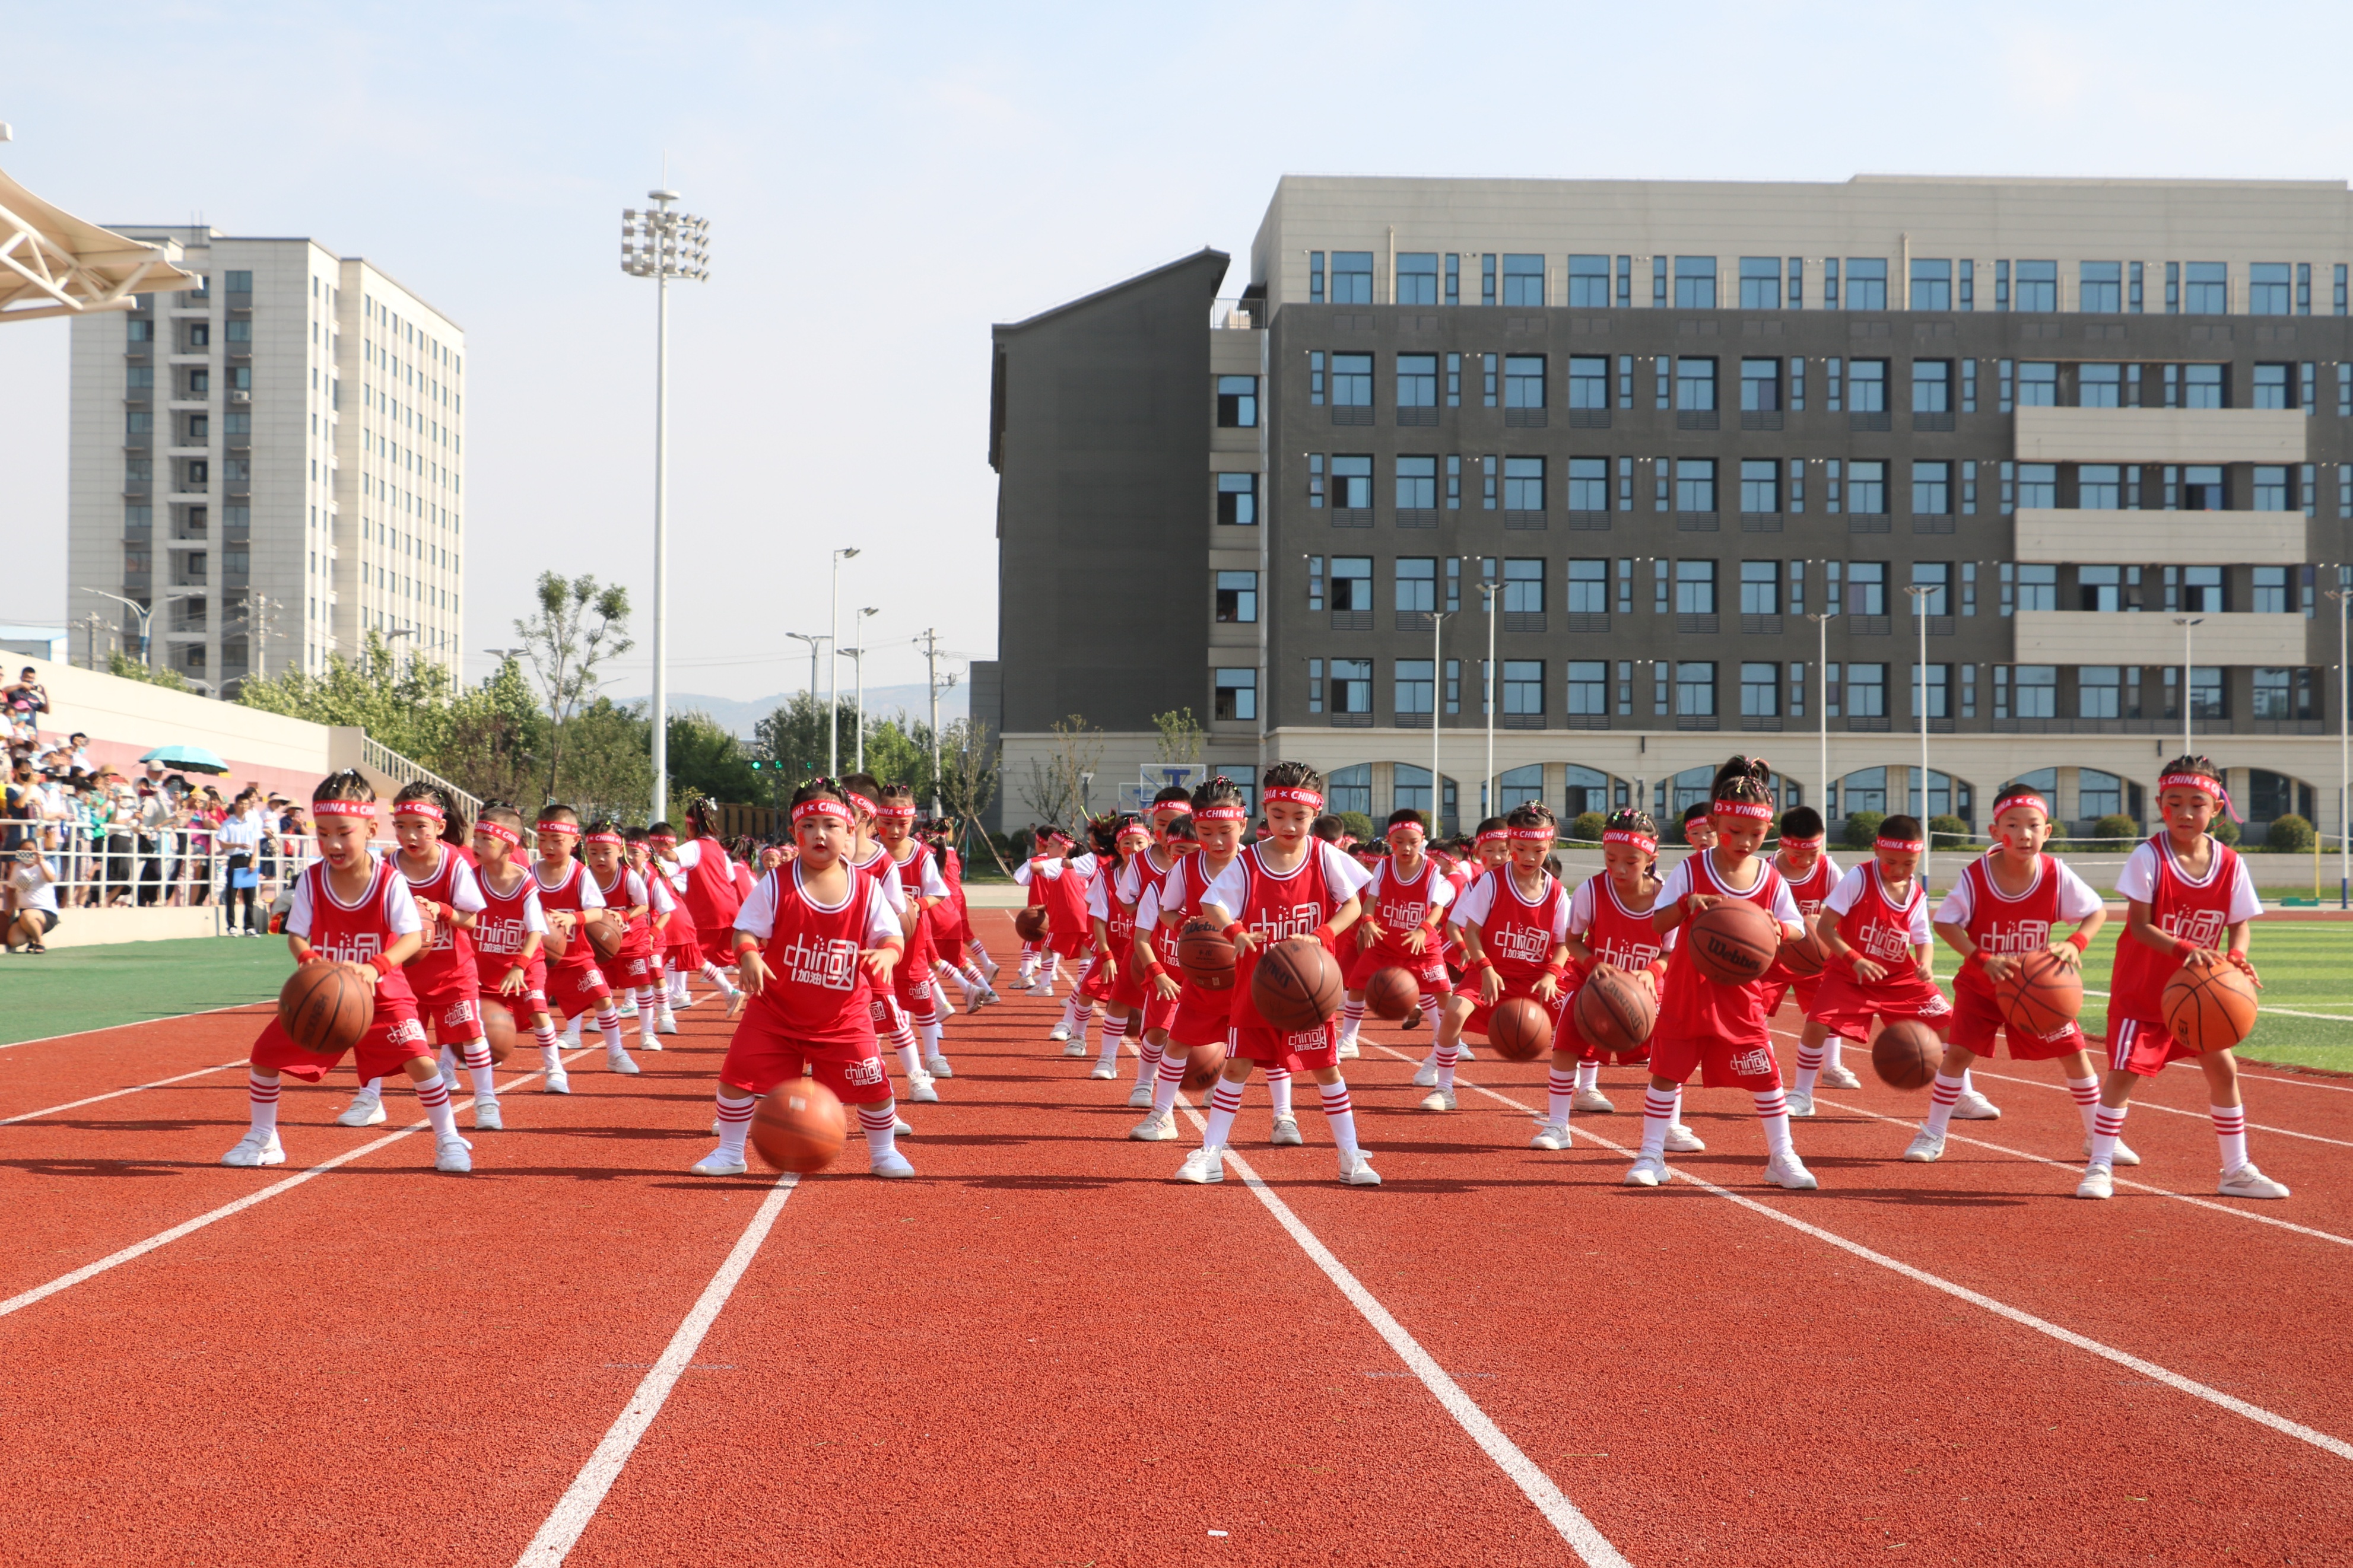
[1746, 779]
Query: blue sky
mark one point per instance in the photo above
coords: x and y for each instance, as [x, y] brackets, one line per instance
[884, 185]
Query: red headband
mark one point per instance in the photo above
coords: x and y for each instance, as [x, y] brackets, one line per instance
[364, 809]
[1137, 830]
[550, 825]
[1494, 835]
[1789, 843]
[1641, 841]
[897, 812]
[824, 805]
[1532, 834]
[424, 809]
[661, 839]
[2207, 782]
[1900, 846]
[499, 831]
[612, 838]
[1748, 808]
[1295, 794]
[2021, 797]
[1221, 813]
[1411, 829]
[861, 803]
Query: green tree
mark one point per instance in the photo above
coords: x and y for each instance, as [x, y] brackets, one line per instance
[496, 731]
[608, 768]
[705, 758]
[899, 751]
[401, 703]
[1181, 736]
[579, 626]
[794, 735]
[2290, 835]
[132, 669]
[1056, 791]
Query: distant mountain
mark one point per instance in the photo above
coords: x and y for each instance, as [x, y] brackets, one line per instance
[739, 718]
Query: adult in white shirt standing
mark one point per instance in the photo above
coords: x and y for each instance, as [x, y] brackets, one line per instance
[239, 837]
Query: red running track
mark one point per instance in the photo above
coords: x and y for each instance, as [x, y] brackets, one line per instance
[1043, 1350]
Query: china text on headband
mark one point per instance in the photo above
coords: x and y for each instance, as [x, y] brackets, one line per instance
[661, 839]
[2206, 782]
[1410, 829]
[824, 805]
[862, 803]
[365, 808]
[612, 838]
[1295, 794]
[1790, 841]
[1221, 813]
[499, 831]
[1750, 808]
[1641, 841]
[418, 808]
[1530, 835]
[897, 812]
[550, 825]
[1900, 846]
[2021, 797]
[1492, 835]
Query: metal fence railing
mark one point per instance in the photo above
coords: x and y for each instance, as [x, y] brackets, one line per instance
[177, 868]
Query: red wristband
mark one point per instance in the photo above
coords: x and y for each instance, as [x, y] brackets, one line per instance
[1157, 971]
[2079, 941]
[1232, 931]
[310, 955]
[1558, 970]
[2183, 947]
[383, 966]
[1473, 965]
[1326, 934]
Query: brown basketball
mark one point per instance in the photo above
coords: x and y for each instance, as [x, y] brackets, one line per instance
[1393, 993]
[1297, 984]
[1203, 1065]
[1029, 924]
[800, 1126]
[1520, 1029]
[1732, 942]
[606, 932]
[325, 1007]
[2208, 1009]
[499, 1030]
[1613, 1010]
[1206, 957]
[1906, 1054]
[2041, 996]
[1804, 958]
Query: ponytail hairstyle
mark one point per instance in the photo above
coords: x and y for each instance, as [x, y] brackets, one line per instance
[1631, 819]
[2193, 763]
[348, 785]
[1531, 813]
[1748, 780]
[1180, 830]
[1292, 776]
[1219, 791]
[453, 824]
[1102, 836]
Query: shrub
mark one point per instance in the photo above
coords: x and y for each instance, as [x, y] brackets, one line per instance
[1862, 828]
[1357, 823]
[2225, 830]
[1949, 833]
[1589, 826]
[2115, 824]
[2290, 835]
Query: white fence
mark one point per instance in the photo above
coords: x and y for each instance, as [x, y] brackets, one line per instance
[174, 868]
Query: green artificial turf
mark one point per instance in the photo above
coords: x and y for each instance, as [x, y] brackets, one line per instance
[69, 989]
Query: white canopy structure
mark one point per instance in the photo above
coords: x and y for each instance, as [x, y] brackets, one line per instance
[54, 264]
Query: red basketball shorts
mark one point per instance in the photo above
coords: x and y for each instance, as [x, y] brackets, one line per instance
[1844, 1004]
[393, 1039]
[1977, 1023]
[2143, 1045]
[1300, 1050]
[762, 1055]
[1721, 1063]
[455, 1020]
[1428, 967]
[575, 988]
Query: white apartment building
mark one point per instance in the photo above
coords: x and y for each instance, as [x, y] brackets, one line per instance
[266, 467]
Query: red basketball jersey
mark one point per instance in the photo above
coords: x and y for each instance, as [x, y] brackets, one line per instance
[1400, 904]
[1517, 933]
[629, 891]
[1275, 908]
[1616, 936]
[355, 932]
[571, 896]
[709, 890]
[911, 887]
[447, 963]
[1693, 1006]
[2197, 912]
[1998, 923]
[817, 992]
[1878, 928]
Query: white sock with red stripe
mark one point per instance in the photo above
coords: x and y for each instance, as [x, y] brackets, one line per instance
[1809, 1065]
[734, 1122]
[719, 977]
[2107, 1126]
[1340, 1115]
[1278, 1091]
[262, 1101]
[963, 984]
[551, 1049]
[2086, 1091]
[933, 1036]
[1447, 1056]
[1147, 1068]
[880, 1125]
[608, 1023]
[1558, 1087]
[1658, 1115]
[1679, 1105]
[1352, 1018]
[448, 1057]
[1588, 1075]
[2231, 1133]
[1830, 1049]
[433, 1094]
[1071, 1014]
[1225, 1104]
[644, 1000]
[1115, 1036]
[478, 1068]
[1430, 1011]
[973, 979]
[1943, 1095]
[1171, 1079]
[1773, 1115]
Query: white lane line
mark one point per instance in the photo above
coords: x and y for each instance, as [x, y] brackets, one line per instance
[2285, 1011]
[1590, 1544]
[2269, 1078]
[580, 1502]
[2166, 1110]
[23, 1299]
[135, 1023]
[117, 1094]
[2148, 1368]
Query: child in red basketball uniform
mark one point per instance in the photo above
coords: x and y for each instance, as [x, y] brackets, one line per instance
[1153, 997]
[1608, 923]
[1112, 915]
[510, 938]
[1722, 1031]
[1035, 875]
[1873, 931]
[1070, 935]
[913, 986]
[2188, 902]
[1490, 849]
[353, 910]
[1512, 924]
[1811, 873]
[604, 850]
[867, 857]
[1289, 885]
[707, 887]
[443, 974]
[567, 893]
[812, 941]
[2005, 905]
[1403, 918]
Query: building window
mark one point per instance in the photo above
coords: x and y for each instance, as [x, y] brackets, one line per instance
[1832, 483]
[1760, 387]
[1487, 378]
[1416, 277]
[2099, 487]
[1694, 587]
[1238, 496]
[2203, 387]
[1935, 577]
[1523, 586]
[2037, 484]
[1416, 484]
[2282, 694]
[1416, 685]
[1695, 484]
[1315, 378]
[1797, 282]
[1523, 381]
[1694, 688]
[1524, 282]
[1867, 385]
[1932, 386]
[1760, 485]
[1315, 686]
[1352, 482]
[2270, 489]
[1523, 687]
[1866, 488]
[1352, 381]
[1796, 499]
[1237, 596]
[1866, 284]
[1588, 283]
[2100, 386]
[1351, 686]
[1454, 381]
[1932, 285]
[1866, 587]
[1760, 690]
[1352, 583]
[1524, 484]
[2038, 586]
[1417, 584]
[1454, 484]
[2206, 288]
[1236, 694]
[2267, 288]
[2038, 286]
[1455, 686]
[1932, 489]
[1797, 385]
[1588, 381]
[2271, 386]
[1489, 467]
[1588, 587]
[1695, 385]
[1588, 688]
[1237, 402]
[1695, 282]
[1487, 279]
[1760, 588]
[2201, 487]
[2270, 595]
[1352, 278]
[2099, 288]
[1416, 381]
[1589, 484]
[1935, 678]
[1658, 282]
[1760, 282]
[1865, 692]
[1453, 278]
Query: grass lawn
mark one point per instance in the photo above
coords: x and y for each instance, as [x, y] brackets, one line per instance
[69, 989]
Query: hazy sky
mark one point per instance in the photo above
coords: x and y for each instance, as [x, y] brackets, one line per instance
[883, 185]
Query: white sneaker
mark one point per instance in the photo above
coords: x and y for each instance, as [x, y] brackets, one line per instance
[1058, 1032]
[938, 1066]
[558, 1082]
[1348, 1051]
[256, 1149]
[1438, 1099]
[1286, 1132]
[988, 998]
[900, 1129]
[1975, 1107]
[1789, 1170]
[1077, 1047]
[1463, 1048]
[1105, 1070]
[454, 1155]
[1426, 1075]
[2098, 1181]
[621, 1062]
[1648, 1172]
[364, 1111]
[570, 1039]
[487, 1117]
[628, 1007]
[667, 1022]
[2246, 1182]
[893, 1164]
[920, 1089]
[1157, 1128]
[989, 970]
[718, 1163]
[1204, 1167]
[1360, 1174]
[1840, 1077]
[1926, 1149]
[1800, 1102]
[1682, 1140]
[1141, 1095]
[2123, 1156]
[1592, 1100]
[1550, 1137]
[649, 1041]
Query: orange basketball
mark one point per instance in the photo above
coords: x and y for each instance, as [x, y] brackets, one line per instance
[1203, 1065]
[325, 1007]
[1906, 1054]
[1733, 942]
[499, 1030]
[1614, 1012]
[1520, 1029]
[1393, 993]
[1206, 956]
[1297, 984]
[1029, 924]
[2041, 996]
[1804, 958]
[800, 1126]
[605, 930]
[2210, 1008]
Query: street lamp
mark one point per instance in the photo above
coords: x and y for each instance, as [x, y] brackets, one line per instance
[1920, 593]
[812, 638]
[858, 653]
[833, 673]
[1488, 801]
[661, 243]
[1086, 795]
[2185, 623]
[1822, 707]
[144, 612]
[2344, 597]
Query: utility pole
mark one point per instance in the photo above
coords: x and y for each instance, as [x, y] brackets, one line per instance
[932, 665]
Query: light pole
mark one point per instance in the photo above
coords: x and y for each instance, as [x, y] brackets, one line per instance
[1437, 689]
[833, 672]
[2185, 623]
[1086, 795]
[1920, 613]
[1489, 800]
[146, 654]
[661, 244]
[1822, 708]
[2344, 597]
[813, 639]
[858, 653]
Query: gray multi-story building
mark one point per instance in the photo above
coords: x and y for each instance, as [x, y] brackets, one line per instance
[1701, 467]
[271, 465]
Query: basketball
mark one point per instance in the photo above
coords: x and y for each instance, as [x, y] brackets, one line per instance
[1520, 1029]
[1029, 924]
[1804, 958]
[499, 1032]
[800, 1126]
[1203, 1065]
[1393, 993]
[325, 1007]
[2208, 1009]
[1296, 984]
[1732, 941]
[607, 932]
[1613, 1012]
[1206, 957]
[1906, 1054]
[2042, 995]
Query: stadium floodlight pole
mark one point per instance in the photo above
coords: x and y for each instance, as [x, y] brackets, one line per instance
[146, 649]
[858, 653]
[2344, 597]
[1920, 593]
[813, 639]
[2185, 623]
[663, 243]
[1490, 796]
[833, 671]
[1437, 676]
[1822, 709]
